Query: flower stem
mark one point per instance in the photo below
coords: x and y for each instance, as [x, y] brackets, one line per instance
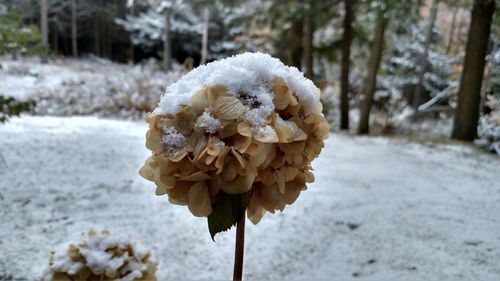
[239, 248]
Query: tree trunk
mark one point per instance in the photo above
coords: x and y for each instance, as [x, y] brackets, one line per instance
[97, 37]
[296, 45]
[308, 43]
[344, 74]
[55, 41]
[44, 22]
[74, 45]
[452, 29]
[204, 35]
[424, 63]
[371, 78]
[132, 47]
[167, 42]
[469, 94]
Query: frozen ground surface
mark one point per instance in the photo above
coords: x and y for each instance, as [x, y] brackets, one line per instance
[380, 209]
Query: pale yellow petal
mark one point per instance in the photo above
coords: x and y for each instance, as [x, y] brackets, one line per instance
[229, 107]
[265, 134]
[148, 169]
[245, 129]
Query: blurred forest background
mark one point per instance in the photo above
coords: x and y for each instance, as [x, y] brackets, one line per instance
[421, 68]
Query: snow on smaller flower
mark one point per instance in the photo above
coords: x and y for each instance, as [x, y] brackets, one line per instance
[101, 256]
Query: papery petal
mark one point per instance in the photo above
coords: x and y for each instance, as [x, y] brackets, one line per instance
[241, 143]
[214, 92]
[245, 129]
[228, 130]
[147, 170]
[199, 101]
[199, 202]
[197, 176]
[280, 180]
[296, 147]
[183, 121]
[265, 134]
[153, 140]
[179, 194]
[219, 163]
[255, 212]
[229, 107]
[239, 185]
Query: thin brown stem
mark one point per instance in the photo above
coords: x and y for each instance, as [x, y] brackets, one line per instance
[239, 249]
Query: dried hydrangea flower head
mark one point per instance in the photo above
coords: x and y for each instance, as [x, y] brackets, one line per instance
[247, 124]
[101, 257]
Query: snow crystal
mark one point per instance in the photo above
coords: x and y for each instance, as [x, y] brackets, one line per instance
[217, 142]
[173, 140]
[257, 116]
[265, 132]
[209, 123]
[245, 73]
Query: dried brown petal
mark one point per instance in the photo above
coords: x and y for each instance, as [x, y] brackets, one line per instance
[229, 173]
[241, 143]
[219, 163]
[280, 180]
[147, 171]
[197, 176]
[166, 166]
[255, 212]
[154, 140]
[296, 147]
[240, 185]
[215, 184]
[228, 130]
[183, 121]
[214, 92]
[179, 194]
[199, 202]
[199, 101]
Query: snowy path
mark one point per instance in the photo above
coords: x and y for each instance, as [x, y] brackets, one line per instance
[380, 209]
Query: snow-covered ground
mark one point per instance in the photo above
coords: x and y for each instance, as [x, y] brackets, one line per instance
[380, 209]
[91, 86]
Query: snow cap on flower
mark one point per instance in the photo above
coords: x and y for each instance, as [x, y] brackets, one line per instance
[247, 123]
[101, 256]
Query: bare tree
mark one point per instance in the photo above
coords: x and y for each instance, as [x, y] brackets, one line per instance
[296, 44]
[308, 41]
[346, 53]
[204, 35]
[74, 45]
[167, 42]
[452, 28]
[44, 23]
[469, 94]
[373, 66]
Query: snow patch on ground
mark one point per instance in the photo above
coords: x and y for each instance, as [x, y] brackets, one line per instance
[380, 209]
[86, 86]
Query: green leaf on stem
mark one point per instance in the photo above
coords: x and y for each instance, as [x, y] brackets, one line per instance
[227, 211]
